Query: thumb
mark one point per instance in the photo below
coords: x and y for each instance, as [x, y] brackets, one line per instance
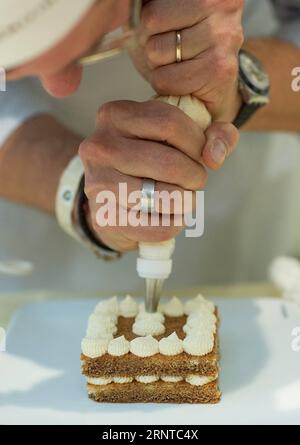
[221, 140]
[64, 83]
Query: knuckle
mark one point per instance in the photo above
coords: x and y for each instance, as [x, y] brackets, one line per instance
[98, 149]
[104, 113]
[220, 62]
[231, 38]
[226, 67]
[87, 149]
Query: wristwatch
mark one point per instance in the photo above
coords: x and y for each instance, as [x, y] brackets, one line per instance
[254, 87]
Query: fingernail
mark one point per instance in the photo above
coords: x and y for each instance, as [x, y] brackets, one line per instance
[218, 151]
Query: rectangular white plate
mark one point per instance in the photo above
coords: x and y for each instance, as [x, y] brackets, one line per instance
[260, 372]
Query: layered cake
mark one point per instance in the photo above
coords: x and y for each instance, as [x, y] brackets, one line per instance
[171, 356]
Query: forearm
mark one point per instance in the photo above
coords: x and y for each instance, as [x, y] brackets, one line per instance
[283, 112]
[32, 160]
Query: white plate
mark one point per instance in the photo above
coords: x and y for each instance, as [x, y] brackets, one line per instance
[260, 373]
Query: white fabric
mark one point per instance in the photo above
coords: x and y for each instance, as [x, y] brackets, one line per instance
[64, 205]
[252, 204]
[29, 27]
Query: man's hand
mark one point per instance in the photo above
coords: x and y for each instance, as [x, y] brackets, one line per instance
[154, 140]
[212, 36]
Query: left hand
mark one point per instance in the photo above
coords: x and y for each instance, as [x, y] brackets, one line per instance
[212, 36]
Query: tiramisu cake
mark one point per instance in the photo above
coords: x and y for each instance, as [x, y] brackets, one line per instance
[171, 356]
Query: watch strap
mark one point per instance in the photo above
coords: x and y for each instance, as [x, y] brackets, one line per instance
[245, 113]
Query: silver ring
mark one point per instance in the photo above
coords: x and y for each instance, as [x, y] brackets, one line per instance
[178, 47]
[147, 199]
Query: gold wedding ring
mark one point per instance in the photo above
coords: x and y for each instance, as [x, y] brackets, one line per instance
[178, 47]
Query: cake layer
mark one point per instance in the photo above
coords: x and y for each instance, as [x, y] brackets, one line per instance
[129, 364]
[158, 364]
[158, 392]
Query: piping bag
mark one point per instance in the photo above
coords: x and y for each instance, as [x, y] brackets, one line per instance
[154, 263]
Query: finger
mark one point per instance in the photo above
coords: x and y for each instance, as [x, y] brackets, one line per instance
[158, 16]
[151, 160]
[127, 190]
[126, 227]
[156, 121]
[222, 139]
[170, 15]
[64, 83]
[212, 32]
[160, 49]
[202, 74]
[162, 229]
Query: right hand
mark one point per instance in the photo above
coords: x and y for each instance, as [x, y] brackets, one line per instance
[133, 141]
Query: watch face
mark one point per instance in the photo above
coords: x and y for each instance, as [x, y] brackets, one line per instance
[253, 73]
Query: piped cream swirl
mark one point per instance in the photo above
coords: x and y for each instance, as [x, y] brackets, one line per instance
[100, 326]
[198, 344]
[119, 346]
[174, 308]
[148, 316]
[171, 345]
[198, 303]
[144, 346]
[147, 327]
[94, 347]
[128, 307]
[110, 306]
